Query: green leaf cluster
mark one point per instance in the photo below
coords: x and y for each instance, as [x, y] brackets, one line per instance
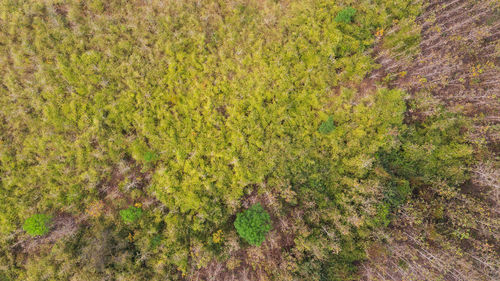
[253, 224]
[131, 214]
[327, 126]
[37, 225]
[345, 15]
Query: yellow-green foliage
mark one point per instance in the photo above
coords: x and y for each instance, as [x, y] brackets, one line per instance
[214, 97]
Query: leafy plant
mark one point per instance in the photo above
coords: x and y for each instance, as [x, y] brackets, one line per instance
[131, 214]
[150, 156]
[327, 126]
[155, 241]
[37, 224]
[253, 224]
[345, 15]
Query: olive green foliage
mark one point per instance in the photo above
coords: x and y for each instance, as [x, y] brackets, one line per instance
[345, 15]
[131, 214]
[38, 224]
[433, 152]
[253, 224]
[212, 100]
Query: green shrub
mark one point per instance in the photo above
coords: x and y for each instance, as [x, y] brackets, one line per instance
[253, 224]
[327, 126]
[37, 224]
[345, 15]
[131, 214]
[150, 156]
[432, 152]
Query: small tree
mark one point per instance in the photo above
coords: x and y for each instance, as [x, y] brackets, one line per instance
[327, 126]
[345, 15]
[131, 214]
[253, 224]
[37, 224]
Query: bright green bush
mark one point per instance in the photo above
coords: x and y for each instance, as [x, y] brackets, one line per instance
[131, 214]
[37, 224]
[345, 15]
[253, 224]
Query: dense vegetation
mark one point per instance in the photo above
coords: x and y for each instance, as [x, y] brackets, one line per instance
[156, 133]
